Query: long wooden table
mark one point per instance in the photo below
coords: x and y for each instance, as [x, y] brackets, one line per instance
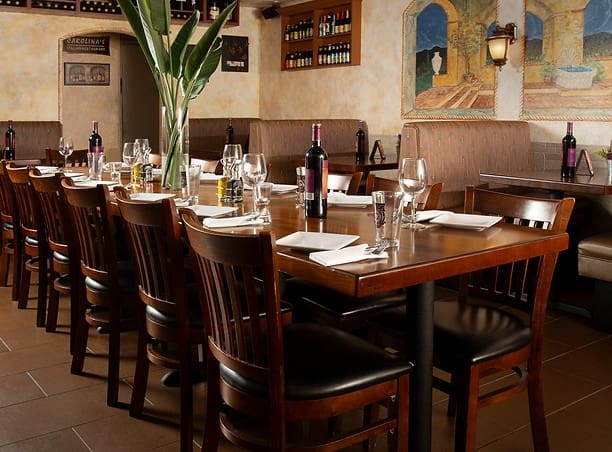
[422, 258]
[599, 184]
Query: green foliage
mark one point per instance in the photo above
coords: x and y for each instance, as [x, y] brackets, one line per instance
[548, 71]
[467, 38]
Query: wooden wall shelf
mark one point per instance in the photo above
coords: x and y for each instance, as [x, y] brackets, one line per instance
[320, 34]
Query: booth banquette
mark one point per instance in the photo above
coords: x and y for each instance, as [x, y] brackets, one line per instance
[207, 136]
[32, 137]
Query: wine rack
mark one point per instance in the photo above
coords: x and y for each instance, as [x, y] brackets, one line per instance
[179, 9]
[321, 33]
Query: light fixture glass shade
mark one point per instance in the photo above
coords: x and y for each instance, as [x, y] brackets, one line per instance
[498, 48]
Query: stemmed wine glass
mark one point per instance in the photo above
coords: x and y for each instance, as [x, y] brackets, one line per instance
[254, 171]
[412, 181]
[130, 153]
[66, 148]
[232, 156]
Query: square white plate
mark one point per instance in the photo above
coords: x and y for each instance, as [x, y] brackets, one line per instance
[428, 215]
[150, 196]
[47, 169]
[466, 221]
[93, 183]
[283, 188]
[212, 211]
[343, 200]
[210, 177]
[316, 240]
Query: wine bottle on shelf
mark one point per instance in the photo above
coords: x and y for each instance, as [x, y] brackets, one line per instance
[9, 142]
[316, 163]
[360, 144]
[213, 10]
[229, 133]
[95, 140]
[568, 144]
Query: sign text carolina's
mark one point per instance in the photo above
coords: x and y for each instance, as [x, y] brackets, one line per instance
[88, 44]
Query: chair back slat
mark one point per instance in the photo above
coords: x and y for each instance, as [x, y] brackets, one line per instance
[238, 286]
[77, 158]
[26, 203]
[48, 189]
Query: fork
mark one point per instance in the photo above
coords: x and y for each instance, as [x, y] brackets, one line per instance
[376, 249]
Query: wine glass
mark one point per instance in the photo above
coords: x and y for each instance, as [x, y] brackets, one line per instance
[254, 171]
[66, 148]
[412, 181]
[130, 153]
[232, 156]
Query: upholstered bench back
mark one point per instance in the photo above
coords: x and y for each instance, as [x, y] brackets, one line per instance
[457, 151]
[32, 137]
[207, 135]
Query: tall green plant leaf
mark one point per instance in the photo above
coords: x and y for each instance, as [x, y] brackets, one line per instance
[194, 87]
[153, 36]
[179, 46]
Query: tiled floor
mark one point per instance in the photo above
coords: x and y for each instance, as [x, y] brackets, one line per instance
[45, 408]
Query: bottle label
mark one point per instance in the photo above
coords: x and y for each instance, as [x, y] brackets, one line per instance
[309, 193]
[571, 157]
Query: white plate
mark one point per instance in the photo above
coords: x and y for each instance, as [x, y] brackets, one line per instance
[210, 177]
[283, 188]
[212, 211]
[343, 200]
[428, 215]
[466, 221]
[93, 183]
[47, 169]
[150, 196]
[316, 240]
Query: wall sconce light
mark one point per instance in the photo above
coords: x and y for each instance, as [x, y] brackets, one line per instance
[499, 42]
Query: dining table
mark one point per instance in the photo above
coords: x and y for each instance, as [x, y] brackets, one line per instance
[422, 257]
[550, 180]
[346, 162]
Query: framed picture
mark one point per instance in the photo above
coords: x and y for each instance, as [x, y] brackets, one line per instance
[447, 72]
[568, 61]
[86, 74]
[235, 54]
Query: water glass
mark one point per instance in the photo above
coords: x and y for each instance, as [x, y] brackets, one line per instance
[193, 183]
[387, 216]
[95, 161]
[115, 171]
[262, 193]
[301, 185]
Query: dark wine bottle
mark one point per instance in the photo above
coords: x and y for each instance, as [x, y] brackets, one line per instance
[568, 163]
[229, 133]
[360, 144]
[9, 142]
[315, 194]
[95, 140]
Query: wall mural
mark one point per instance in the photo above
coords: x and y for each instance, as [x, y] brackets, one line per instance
[447, 72]
[568, 60]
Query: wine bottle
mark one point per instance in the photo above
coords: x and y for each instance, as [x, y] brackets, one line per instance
[95, 140]
[213, 11]
[229, 133]
[568, 163]
[9, 142]
[360, 144]
[315, 194]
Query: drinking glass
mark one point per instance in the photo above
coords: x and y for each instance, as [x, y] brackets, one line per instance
[254, 171]
[66, 148]
[130, 154]
[262, 193]
[412, 181]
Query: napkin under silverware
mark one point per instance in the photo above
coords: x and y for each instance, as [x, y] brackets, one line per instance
[345, 255]
[244, 220]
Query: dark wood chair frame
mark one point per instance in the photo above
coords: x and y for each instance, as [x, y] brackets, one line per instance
[160, 256]
[77, 158]
[11, 234]
[261, 357]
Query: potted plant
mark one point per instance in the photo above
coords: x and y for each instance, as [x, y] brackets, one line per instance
[180, 77]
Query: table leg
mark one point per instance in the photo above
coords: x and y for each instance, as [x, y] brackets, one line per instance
[421, 297]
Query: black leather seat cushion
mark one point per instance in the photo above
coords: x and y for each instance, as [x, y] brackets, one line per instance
[60, 257]
[471, 333]
[127, 279]
[322, 361]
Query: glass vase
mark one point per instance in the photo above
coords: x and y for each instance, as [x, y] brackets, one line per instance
[175, 148]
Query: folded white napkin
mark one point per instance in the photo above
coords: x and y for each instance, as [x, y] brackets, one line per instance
[426, 215]
[244, 220]
[345, 255]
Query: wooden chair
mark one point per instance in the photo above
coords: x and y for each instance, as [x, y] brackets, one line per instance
[208, 166]
[264, 376]
[48, 189]
[496, 324]
[107, 293]
[9, 218]
[426, 200]
[346, 183]
[33, 247]
[170, 327]
[319, 304]
[77, 158]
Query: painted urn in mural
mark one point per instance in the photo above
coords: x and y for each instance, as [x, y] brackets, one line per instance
[436, 63]
[180, 76]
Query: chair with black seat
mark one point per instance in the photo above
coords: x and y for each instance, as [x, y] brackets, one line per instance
[266, 376]
[9, 218]
[34, 249]
[48, 189]
[170, 328]
[77, 158]
[107, 293]
[317, 303]
[494, 325]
